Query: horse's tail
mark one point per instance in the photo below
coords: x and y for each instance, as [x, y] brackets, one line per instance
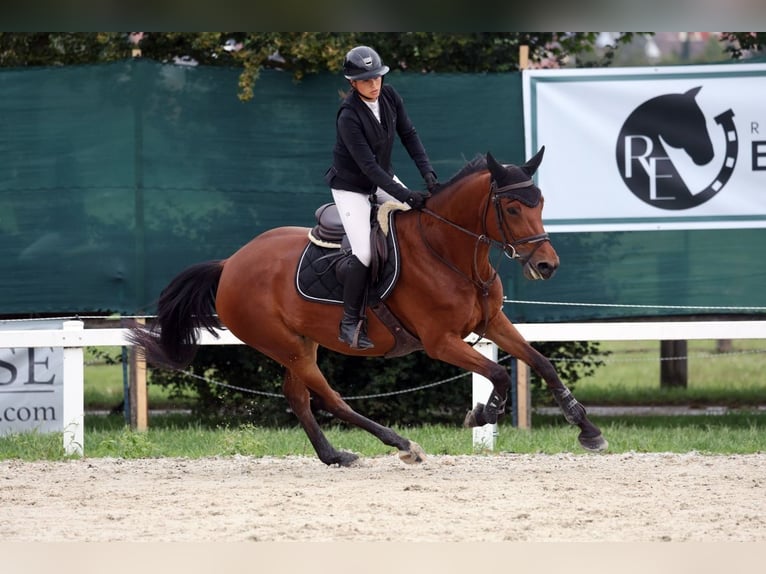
[185, 305]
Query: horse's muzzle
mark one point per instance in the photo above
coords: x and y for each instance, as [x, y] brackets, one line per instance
[540, 269]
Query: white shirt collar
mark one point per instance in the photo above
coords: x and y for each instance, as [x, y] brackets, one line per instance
[374, 107]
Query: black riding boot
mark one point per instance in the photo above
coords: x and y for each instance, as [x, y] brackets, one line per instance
[353, 330]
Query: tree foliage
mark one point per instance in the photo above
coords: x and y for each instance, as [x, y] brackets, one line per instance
[302, 53]
[742, 43]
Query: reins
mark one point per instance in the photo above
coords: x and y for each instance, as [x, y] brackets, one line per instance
[483, 285]
[508, 247]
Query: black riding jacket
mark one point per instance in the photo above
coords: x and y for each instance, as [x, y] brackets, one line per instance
[362, 152]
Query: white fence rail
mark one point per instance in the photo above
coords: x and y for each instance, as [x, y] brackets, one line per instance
[596, 331]
[74, 337]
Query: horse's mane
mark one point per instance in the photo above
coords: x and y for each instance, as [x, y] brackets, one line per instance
[477, 164]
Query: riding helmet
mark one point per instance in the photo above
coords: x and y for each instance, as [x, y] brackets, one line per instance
[363, 63]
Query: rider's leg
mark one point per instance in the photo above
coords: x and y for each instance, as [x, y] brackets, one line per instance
[354, 210]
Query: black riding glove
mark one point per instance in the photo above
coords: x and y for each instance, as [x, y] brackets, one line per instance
[431, 181]
[417, 199]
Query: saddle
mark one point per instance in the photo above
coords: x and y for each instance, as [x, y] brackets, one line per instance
[321, 267]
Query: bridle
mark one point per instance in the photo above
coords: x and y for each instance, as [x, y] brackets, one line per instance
[507, 245]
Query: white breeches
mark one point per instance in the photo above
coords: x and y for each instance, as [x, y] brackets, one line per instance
[354, 209]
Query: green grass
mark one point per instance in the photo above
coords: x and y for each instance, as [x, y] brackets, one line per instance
[180, 436]
[631, 375]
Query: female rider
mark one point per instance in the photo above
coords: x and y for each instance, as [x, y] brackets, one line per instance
[361, 172]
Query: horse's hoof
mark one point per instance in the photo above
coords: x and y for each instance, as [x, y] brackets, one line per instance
[414, 455]
[344, 459]
[475, 417]
[593, 443]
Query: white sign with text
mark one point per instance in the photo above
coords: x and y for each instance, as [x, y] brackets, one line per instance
[678, 147]
[31, 384]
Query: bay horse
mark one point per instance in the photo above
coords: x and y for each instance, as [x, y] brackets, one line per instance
[447, 289]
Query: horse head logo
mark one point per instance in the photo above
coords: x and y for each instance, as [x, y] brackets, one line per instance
[662, 125]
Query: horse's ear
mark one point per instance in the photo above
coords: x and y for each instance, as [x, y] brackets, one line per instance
[494, 167]
[534, 162]
[694, 91]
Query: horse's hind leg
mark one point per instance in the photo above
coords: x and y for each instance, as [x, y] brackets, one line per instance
[310, 377]
[298, 398]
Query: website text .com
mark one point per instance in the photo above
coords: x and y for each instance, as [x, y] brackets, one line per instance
[26, 414]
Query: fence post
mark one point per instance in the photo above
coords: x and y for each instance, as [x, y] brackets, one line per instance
[484, 436]
[521, 395]
[674, 364]
[73, 408]
[139, 404]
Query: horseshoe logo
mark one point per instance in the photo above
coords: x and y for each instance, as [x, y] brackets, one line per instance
[672, 120]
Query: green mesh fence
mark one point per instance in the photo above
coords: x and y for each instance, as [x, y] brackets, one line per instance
[115, 177]
[647, 274]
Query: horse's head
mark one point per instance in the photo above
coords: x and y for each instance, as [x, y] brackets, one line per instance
[518, 205]
[677, 120]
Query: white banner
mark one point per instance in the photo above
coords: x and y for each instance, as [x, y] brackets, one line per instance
[31, 384]
[679, 147]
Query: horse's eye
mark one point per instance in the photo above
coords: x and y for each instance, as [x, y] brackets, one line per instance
[512, 210]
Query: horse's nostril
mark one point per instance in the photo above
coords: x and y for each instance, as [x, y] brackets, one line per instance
[546, 269]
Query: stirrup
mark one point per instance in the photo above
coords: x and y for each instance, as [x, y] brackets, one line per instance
[358, 339]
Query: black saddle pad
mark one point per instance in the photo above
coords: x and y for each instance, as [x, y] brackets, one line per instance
[316, 279]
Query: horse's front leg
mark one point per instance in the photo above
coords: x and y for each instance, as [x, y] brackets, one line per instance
[508, 338]
[489, 413]
[452, 349]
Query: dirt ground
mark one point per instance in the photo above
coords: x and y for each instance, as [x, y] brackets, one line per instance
[503, 497]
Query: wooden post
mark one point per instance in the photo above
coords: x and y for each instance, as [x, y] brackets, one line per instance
[673, 364]
[139, 403]
[523, 396]
[724, 346]
[523, 57]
